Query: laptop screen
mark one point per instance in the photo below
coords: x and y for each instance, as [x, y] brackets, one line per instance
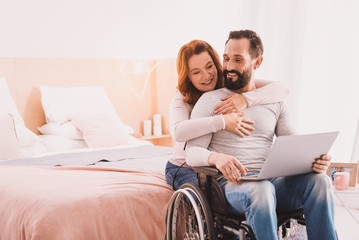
[355, 152]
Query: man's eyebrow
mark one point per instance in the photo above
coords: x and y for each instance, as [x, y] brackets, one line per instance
[235, 55]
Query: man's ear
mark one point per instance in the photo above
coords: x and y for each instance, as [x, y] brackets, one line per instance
[258, 62]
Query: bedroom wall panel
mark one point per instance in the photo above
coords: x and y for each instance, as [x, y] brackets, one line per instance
[7, 69]
[166, 75]
[134, 96]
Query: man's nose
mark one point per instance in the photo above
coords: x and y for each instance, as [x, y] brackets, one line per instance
[229, 66]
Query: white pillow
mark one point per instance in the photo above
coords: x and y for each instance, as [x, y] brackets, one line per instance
[55, 143]
[67, 130]
[9, 146]
[60, 104]
[99, 130]
[25, 137]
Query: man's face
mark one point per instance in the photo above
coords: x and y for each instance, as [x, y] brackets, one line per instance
[237, 64]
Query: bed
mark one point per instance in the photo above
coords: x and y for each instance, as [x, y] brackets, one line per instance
[116, 193]
[66, 173]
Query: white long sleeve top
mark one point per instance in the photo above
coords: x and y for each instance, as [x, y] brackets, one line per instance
[183, 128]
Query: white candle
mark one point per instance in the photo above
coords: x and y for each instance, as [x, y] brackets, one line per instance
[147, 128]
[157, 125]
[157, 120]
[157, 130]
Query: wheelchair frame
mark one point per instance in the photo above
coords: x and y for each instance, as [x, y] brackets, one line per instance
[200, 212]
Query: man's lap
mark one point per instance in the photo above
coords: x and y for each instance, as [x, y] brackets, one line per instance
[285, 193]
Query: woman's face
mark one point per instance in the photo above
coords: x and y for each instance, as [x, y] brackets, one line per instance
[202, 72]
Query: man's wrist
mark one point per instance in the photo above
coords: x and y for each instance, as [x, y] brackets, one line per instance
[212, 159]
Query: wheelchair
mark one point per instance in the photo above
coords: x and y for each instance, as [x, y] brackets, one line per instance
[200, 212]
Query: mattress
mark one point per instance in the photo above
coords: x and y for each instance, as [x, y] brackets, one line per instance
[117, 193]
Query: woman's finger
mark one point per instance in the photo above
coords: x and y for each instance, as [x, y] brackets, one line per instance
[248, 120]
[246, 126]
[222, 107]
[226, 97]
[218, 106]
[239, 133]
[243, 130]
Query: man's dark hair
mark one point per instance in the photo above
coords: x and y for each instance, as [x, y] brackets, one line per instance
[256, 45]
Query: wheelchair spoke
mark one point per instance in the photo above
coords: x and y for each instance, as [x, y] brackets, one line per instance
[189, 216]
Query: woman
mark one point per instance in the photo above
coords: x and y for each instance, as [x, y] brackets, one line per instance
[199, 70]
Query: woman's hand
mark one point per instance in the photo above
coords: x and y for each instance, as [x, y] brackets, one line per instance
[236, 123]
[228, 165]
[232, 103]
[321, 164]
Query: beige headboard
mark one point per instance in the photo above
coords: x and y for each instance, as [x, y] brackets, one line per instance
[133, 98]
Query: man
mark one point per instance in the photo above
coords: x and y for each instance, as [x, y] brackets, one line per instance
[234, 155]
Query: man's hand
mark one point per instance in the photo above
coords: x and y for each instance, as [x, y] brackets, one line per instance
[228, 165]
[321, 164]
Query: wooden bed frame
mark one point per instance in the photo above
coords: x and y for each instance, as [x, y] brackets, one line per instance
[133, 98]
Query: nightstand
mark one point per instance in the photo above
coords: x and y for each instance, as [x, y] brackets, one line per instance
[163, 140]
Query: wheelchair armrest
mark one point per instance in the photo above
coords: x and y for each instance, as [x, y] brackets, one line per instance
[211, 171]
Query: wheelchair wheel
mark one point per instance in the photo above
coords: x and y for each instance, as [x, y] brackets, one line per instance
[189, 215]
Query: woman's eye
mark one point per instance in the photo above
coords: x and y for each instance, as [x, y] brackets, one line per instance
[195, 73]
[210, 66]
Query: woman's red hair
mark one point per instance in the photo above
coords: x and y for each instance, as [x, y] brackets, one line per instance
[189, 92]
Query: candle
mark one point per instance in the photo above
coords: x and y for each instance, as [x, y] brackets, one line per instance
[147, 128]
[157, 125]
[157, 120]
[157, 130]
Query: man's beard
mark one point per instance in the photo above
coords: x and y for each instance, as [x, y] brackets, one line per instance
[241, 82]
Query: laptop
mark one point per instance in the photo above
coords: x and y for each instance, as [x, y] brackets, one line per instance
[355, 152]
[293, 155]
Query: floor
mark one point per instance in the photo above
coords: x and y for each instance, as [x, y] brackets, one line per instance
[347, 214]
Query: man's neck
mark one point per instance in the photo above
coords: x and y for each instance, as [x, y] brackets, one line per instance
[250, 86]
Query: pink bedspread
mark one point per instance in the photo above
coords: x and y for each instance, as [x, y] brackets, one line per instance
[81, 203]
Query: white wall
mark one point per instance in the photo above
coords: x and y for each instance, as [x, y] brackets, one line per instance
[313, 45]
[106, 28]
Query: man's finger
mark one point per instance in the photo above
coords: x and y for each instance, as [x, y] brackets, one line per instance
[236, 173]
[319, 168]
[241, 168]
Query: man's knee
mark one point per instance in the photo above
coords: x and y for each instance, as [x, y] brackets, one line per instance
[263, 194]
[319, 181]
